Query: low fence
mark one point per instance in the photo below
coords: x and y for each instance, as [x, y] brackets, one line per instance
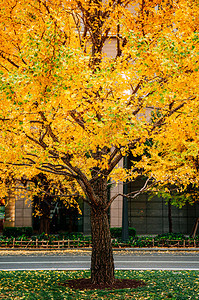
[68, 244]
[162, 244]
[44, 244]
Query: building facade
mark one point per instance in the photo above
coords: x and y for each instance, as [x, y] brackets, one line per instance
[146, 216]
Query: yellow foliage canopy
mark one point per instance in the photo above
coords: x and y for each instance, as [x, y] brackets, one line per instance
[69, 109]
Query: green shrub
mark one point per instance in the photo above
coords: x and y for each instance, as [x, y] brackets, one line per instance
[60, 236]
[17, 231]
[72, 235]
[145, 241]
[170, 236]
[132, 232]
[75, 235]
[116, 232]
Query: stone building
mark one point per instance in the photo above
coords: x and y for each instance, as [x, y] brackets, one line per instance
[146, 216]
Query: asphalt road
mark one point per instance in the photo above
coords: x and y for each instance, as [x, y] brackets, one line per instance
[146, 261]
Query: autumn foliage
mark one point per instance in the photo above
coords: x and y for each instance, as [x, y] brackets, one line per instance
[69, 109]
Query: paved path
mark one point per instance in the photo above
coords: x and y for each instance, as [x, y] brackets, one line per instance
[81, 261]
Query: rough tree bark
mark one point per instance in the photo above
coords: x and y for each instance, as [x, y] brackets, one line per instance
[102, 264]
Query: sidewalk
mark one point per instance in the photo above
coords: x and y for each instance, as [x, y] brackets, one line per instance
[162, 249]
[158, 249]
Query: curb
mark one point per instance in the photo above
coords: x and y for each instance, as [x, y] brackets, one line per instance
[161, 249]
[114, 249]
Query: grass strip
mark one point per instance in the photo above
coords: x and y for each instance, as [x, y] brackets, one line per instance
[179, 285]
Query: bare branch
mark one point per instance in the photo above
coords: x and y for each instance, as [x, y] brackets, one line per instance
[113, 154]
[40, 143]
[56, 172]
[76, 117]
[43, 135]
[53, 136]
[172, 111]
[114, 163]
[120, 156]
[130, 195]
[9, 60]
[83, 178]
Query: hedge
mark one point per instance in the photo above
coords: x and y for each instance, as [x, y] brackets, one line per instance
[17, 231]
[116, 232]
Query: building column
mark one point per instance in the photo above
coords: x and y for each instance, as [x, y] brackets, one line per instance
[10, 210]
[116, 206]
[23, 209]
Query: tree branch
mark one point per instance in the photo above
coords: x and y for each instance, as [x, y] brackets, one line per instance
[172, 111]
[136, 193]
[49, 129]
[9, 60]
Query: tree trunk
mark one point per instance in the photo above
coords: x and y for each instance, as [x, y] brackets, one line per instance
[102, 264]
[44, 225]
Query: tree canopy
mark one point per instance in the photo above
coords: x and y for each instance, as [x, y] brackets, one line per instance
[69, 109]
[66, 105]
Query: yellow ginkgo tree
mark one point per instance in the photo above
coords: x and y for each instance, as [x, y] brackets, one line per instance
[70, 110]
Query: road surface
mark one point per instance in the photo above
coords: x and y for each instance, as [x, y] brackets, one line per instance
[128, 261]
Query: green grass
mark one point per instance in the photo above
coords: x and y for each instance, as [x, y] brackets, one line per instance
[180, 285]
